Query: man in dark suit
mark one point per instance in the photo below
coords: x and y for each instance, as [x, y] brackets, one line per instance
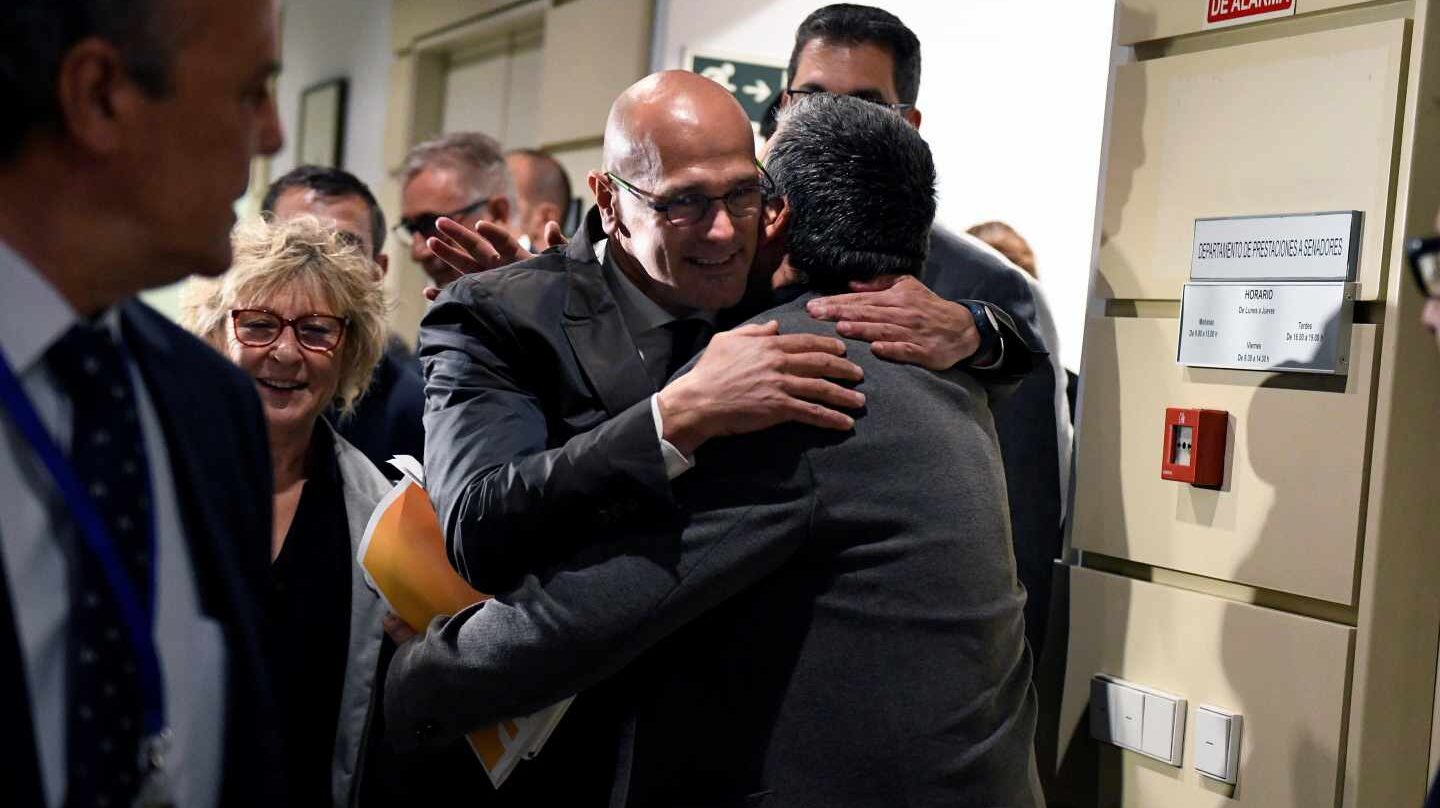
[869, 53]
[546, 416]
[544, 420]
[134, 531]
[1424, 259]
[388, 420]
[809, 625]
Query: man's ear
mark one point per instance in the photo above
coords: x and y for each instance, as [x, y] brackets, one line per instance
[604, 194]
[913, 116]
[776, 220]
[96, 96]
[547, 212]
[383, 261]
[499, 208]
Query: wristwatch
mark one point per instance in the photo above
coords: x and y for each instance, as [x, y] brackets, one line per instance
[991, 351]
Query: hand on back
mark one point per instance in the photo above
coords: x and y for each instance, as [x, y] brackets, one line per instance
[752, 378]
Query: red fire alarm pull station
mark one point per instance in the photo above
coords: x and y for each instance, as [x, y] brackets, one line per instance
[1195, 446]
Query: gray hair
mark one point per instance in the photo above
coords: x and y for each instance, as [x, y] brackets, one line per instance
[477, 156]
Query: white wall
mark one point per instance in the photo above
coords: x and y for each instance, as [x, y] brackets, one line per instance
[1013, 96]
[326, 39]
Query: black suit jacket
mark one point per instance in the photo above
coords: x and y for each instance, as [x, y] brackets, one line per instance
[389, 419]
[807, 626]
[538, 432]
[220, 461]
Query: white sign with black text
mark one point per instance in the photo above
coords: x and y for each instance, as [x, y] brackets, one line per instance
[1292, 327]
[1300, 247]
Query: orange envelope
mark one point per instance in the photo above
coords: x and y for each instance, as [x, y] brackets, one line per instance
[403, 556]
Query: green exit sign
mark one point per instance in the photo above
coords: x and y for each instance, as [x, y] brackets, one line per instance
[754, 84]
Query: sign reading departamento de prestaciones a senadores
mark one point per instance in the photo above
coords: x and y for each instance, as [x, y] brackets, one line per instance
[1220, 13]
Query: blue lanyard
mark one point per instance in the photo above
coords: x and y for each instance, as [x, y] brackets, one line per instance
[138, 614]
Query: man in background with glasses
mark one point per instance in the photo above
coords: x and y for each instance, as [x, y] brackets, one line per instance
[1424, 255]
[868, 53]
[460, 176]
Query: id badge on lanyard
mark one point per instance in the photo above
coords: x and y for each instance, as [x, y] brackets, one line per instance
[137, 613]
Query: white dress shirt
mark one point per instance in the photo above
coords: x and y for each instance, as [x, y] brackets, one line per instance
[646, 321]
[34, 534]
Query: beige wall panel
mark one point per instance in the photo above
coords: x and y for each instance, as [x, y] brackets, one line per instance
[594, 49]
[1290, 437]
[1144, 20]
[1400, 599]
[1285, 674]
[1307, 6]
[1300, 124]
[411, 19]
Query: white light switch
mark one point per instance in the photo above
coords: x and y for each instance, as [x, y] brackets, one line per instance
[1127, 714]
[1137, 718]
[1164, 728]
[1217, 743]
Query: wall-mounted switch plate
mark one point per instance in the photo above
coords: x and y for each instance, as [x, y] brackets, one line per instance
[1139, 718]
[1217, 743]
[1163, 734]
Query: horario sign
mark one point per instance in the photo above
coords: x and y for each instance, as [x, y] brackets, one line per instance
[1219, 13]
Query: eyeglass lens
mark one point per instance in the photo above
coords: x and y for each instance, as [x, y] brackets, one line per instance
[423, 224]
[1427, 270]
[691, 208]
[318, 332]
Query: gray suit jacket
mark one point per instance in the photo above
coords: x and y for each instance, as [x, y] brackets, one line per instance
[808, 625]
[1028, 421]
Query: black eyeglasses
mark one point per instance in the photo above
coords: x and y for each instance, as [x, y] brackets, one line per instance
[424, 223]
[687, 209]
[1424, 257]
[258, 328]
[900, 107]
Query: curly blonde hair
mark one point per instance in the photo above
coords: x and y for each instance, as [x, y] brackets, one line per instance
[305, 255]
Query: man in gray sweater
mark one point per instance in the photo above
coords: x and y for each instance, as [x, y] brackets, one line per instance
[823, 618]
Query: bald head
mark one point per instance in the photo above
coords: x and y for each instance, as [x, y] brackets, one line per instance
[542, 192]
[668, 118]
[680, 198]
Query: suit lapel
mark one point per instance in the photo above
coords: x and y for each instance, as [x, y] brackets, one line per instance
[596, 331]
[20, 774]
[181, 414]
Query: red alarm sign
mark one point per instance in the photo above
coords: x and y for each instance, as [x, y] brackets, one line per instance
[1195, 446]
[1229, 12]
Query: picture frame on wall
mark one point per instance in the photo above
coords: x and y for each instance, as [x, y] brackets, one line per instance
[321, 137]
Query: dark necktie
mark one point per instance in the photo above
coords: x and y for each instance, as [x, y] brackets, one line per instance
[103, 705]
[687, 337]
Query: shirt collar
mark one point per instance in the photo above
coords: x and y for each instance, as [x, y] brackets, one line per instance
[33, 314]
[640, 313]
